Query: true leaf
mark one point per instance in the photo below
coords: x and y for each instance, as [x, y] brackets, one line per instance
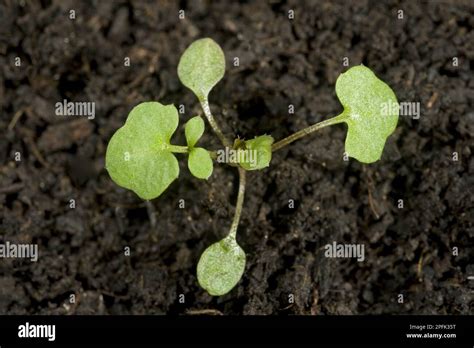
[221, 266]
[371, 112]
[200, 163]
[201, 67]
[259, 152]
[138, 157]
[193, 130]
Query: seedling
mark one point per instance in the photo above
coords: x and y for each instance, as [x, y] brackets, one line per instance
[141, 157]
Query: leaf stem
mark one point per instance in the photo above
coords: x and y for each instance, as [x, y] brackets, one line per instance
[178, 148]
[238, 205]
[308, 130]
[213, 154]
[207, 111]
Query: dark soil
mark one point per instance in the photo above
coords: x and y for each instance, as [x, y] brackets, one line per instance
[409, 251]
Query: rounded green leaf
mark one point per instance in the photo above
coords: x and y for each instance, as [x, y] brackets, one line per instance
[259, 153]
[200, 163]
[193, 130]
[221, 266]
[201, 67]
[371, 111]
[138, 157]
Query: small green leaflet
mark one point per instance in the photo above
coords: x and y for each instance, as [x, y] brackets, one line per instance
[199, 161]
[201, 67]
[194, 130]
[259, 153]
[221, 266]
[138, 157]
[370, 111]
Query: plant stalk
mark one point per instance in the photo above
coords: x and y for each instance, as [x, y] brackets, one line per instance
[213, 123]
[308, 130]
[239, 204]
[178, 148]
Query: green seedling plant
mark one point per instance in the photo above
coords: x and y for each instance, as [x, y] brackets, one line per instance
[141, 157]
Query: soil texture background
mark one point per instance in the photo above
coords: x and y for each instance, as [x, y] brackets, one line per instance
[282, 61]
